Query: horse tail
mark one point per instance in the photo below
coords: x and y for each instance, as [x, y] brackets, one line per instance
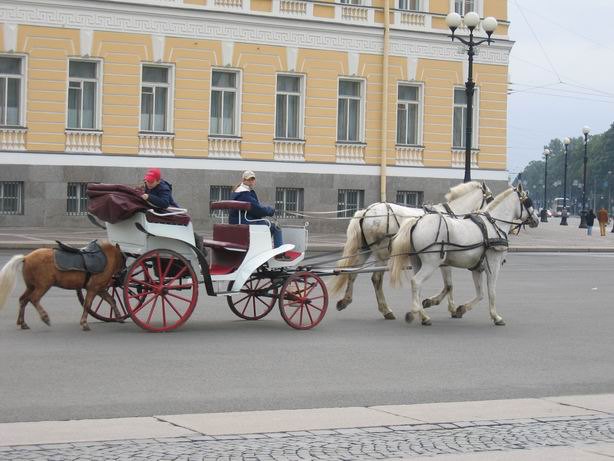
[400, 250]
[351, 249]
[7, 277]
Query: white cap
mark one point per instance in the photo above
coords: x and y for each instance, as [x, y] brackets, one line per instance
[248, 174]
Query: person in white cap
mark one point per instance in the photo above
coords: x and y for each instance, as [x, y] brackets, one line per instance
[245, 192]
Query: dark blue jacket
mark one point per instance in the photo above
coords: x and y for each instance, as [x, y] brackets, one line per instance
[242, 194]
[161, 196]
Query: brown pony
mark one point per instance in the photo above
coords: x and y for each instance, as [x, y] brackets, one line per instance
[39, 274]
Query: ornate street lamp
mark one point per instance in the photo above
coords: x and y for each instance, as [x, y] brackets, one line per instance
[585, 131]
[566, 142]
[489, 24]
[544, 217]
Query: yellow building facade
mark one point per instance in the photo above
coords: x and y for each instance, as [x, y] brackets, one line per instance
[294, 90]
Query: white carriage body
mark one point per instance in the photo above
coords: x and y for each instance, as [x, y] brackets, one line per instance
[180, 238]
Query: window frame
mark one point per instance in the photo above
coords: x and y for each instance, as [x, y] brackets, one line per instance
[23, 79]
[419, 113]
[80, 198]
[238, 101]
[405, 193]
[361, 110]
[221, 214]
[98, 91]
[476, 118]
[301, 108]
[170, 97]
[349, 212]
[462, 6]
[407, 5]
[281, 206]
[19, 198]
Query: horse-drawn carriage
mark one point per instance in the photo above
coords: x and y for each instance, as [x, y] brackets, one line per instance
[159, 286]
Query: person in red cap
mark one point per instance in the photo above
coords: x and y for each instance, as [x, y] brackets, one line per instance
[157, 191]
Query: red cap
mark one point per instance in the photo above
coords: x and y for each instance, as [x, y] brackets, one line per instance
[153, 174]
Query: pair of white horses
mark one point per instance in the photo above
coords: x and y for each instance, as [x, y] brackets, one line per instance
[394, 234]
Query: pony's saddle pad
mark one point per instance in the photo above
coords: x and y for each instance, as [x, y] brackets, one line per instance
[90, 258]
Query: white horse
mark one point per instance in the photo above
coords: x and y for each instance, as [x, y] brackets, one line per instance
[478, 243]
[371, 229]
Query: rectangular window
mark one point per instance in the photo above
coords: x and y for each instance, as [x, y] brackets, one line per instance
[217, 193]
[349, 110]
[82, 95]
[408, 110]
[288, 202]
[11, 197]
[11, 82]
[224, 103]
[411, 5]
[76, 198]
[351, 2]
[460, 118]
[155, 102]
[288, 107]
[349, 201]
[463, 7]
[409, 198]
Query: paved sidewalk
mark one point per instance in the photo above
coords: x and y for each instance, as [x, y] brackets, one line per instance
[572, 427]
[550, 236]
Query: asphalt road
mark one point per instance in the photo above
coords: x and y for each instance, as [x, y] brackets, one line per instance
[558, 340]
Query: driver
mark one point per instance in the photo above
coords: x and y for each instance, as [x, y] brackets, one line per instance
[245, 192]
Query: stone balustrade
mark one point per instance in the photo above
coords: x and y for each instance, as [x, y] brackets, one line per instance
[13, 138]
[289, 150]
[83, 141]
[351, 152]
[224, 147]
[156, 144]
[458, 158]
[409, 155]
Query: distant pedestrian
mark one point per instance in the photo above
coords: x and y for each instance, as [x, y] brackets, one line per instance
[590, 220]
[603, 218]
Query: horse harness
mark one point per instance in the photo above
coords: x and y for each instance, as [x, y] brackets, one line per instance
[387, 235]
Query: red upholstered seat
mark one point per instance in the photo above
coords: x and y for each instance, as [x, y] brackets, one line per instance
[228, 247]
[177, 219]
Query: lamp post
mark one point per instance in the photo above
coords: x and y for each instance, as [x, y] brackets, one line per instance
[585, 131]
[566, 142]
[544, 216]
[471, 20]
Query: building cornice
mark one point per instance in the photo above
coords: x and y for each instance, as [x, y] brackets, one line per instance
[238, 27]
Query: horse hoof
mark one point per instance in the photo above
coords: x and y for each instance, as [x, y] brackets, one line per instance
[85, 327]
[47, 321]
[389, 316]
[409, 317]
[24, 326]
[460, 311]
[500, 323]
[426, 303]
[341, 305]
[427, 322]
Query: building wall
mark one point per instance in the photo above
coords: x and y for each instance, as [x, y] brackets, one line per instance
[260, 40]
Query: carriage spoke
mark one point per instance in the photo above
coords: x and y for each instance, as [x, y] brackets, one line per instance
[137, 309]
[173, 307]
[168, 267]
[178, 297]
[153, 307]
[163, 312]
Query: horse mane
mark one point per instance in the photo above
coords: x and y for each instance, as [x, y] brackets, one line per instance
[462, 189]
[499, 198]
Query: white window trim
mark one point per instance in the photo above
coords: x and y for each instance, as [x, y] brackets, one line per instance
[418, 9]
[98, 115]
[239, 101]
[363, 110]
[301, 115]
[479, 7]
[420, 122]
[22, 88]
[170, 103]
[476, 118]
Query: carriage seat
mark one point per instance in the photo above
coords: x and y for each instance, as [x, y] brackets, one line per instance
[176, 219]
[233, 237]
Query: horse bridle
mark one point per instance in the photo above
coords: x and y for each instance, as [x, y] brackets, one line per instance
[487, 196]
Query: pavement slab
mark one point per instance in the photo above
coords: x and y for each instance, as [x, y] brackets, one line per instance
[603, 402]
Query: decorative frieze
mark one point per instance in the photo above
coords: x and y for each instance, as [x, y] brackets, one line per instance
[351, 152]
[409, 155]
[293, 151]
[458, 158]
[83, 141]
[224, 147]
[156, 144]
[13, 138]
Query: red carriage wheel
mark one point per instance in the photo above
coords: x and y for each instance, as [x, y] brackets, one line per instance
[256, 299]
[160, 290]
[303, 300]
[102, 310]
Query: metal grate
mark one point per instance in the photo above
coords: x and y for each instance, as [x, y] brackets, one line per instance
[76, 198]
[11, 197]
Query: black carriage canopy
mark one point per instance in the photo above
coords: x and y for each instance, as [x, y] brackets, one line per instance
[115, 202]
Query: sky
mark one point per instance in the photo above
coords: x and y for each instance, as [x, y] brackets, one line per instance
[561, 73]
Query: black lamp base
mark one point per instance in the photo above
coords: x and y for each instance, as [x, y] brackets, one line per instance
[582, 220]
[544, 215]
